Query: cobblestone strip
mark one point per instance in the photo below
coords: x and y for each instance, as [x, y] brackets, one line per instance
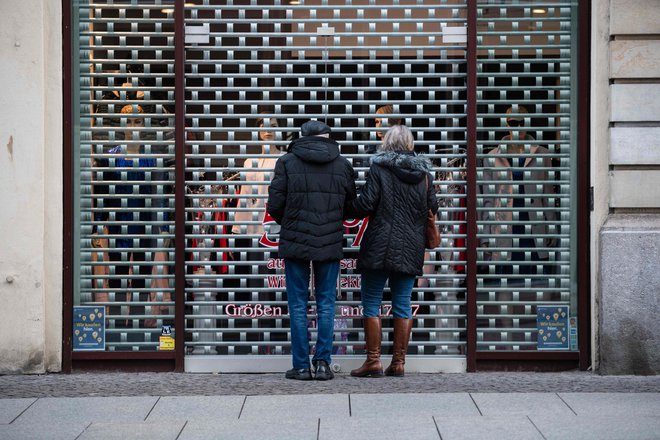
[187, 384]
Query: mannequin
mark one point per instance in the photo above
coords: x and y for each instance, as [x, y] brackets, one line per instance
[518, 159]
[253, 193]
[132, 225]
[515, 205]
[383, 122]
[265, 166]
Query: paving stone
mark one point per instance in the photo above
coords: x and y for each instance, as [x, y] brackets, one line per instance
[401, 405]
[196, 407]
[250, 429]
[642, 404]
[88, 409]
[12, 408]
[64, 429]
[351, 428]
[594, 427]
[491, 428]
[279, 408]
[494, 404]
[133, 431]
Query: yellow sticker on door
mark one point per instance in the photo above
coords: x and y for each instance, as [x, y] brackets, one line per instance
[166, 343]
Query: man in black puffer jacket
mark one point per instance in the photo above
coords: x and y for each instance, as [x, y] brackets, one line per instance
[311, 185]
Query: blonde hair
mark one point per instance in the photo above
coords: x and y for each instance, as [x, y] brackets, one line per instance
[398, 138]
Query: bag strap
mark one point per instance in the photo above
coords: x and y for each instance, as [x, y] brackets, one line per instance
[426, 187]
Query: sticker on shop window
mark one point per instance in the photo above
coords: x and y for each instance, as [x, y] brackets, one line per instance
[552, 328]
[166, 340]
[88, 328]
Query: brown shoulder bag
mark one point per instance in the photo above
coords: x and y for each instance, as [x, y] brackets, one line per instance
[432, 234]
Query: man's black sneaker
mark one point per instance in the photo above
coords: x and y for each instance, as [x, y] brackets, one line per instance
[323, 371]
[299, 374]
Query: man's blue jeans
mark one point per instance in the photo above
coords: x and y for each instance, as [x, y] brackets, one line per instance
[372, 285]
[297, 290]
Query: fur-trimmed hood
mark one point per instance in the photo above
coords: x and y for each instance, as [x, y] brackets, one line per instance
[407, 166]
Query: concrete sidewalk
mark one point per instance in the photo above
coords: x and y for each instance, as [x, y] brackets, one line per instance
[266, 406]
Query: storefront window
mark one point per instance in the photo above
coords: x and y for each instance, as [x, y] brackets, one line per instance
[125, 141]
[526, 144]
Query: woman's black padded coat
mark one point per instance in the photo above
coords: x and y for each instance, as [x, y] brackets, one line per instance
[307, 196]
[396, 197]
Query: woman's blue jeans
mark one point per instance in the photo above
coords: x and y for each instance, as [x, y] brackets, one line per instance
[297, 290]
[373, 284]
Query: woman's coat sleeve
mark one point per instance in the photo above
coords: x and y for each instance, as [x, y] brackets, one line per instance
[366, 203]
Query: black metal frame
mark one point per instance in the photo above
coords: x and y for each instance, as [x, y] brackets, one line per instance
[471, 187]
[67, 198]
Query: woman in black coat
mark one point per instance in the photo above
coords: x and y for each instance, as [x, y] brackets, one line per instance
[396, 196]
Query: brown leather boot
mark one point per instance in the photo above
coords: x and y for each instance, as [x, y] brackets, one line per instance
[372, 367]
[402, 329]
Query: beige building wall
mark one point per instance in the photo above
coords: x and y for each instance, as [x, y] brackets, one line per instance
[628, 276]
[31, 186]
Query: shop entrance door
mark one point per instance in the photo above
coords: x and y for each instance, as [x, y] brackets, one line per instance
[255, 71]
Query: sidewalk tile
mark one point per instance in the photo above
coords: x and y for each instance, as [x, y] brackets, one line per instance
[614, 403]
[245, 429]
[398, 405]
[350, 428]
[295, 407]
[491, 428]
[132, 431]
[196, 407]
[495, 404]
[88, 409]
[12, 408]
[592, 427]
[62, 430]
